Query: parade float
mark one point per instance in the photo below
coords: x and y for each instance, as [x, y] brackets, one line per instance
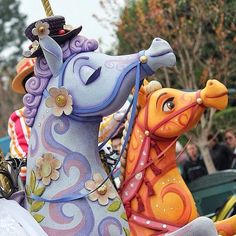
[67, 190]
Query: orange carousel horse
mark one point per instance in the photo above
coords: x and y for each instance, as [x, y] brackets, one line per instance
[156, 198]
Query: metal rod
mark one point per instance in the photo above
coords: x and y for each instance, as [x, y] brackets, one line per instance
[47, 7]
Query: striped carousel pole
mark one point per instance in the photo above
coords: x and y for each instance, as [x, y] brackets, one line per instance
[47, 7]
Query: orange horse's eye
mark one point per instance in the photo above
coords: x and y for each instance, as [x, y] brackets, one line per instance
[168, 105]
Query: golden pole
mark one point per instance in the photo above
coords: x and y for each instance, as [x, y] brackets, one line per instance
[47, 7]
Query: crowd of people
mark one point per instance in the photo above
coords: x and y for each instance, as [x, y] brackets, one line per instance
[223, 155]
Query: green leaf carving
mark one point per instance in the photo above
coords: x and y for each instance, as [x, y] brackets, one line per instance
[38, 217]
[29, 200]
[127, 233]
[32, 181]
[28, 194]
[39, 191]
[124, 216]
[27, 190]
[36, 206]
[115, 206]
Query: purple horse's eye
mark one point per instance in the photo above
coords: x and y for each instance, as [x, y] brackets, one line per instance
[94, 76]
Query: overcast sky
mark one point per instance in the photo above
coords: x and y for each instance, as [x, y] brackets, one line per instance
[76, 12]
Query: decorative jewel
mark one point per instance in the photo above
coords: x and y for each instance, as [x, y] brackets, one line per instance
[199, 101]
[138, 176]
[102, 190]
[143, 59]
[147, 133]
[103, 193]
[41, 29]
[46, 168]
[60, 101]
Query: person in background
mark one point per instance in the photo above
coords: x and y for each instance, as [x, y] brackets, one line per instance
[220, 154]
[230, 139]
[194, 166]
[116, 141]
[18, 131]
[109, 123]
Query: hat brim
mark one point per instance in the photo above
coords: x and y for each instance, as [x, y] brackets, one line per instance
[17, 83]
[59, 39]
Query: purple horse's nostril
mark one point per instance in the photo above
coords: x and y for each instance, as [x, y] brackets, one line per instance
[158, 39]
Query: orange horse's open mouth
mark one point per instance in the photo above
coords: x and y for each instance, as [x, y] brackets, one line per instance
[218, 96]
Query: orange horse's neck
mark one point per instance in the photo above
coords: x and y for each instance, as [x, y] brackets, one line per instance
[153, 188]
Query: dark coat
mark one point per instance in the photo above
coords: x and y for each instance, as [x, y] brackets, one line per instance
[193, 169]
[222, 156]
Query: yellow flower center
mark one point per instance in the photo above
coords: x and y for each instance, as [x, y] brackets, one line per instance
[61, 100]
[46, 169]
[102, 190]
[41, 29]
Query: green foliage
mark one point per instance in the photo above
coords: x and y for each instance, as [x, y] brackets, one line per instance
[12, 26]
[225, 119]
[202, 34]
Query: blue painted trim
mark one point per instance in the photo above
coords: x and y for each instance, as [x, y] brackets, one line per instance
[61, 76]
[45, 93]
[147, 69]
[86, 118]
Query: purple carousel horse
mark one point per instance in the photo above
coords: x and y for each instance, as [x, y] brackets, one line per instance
[73, 87]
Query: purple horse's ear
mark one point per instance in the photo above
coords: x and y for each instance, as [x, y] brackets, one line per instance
[52, 53]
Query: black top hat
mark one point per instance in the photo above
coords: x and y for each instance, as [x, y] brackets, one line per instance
[59, 31]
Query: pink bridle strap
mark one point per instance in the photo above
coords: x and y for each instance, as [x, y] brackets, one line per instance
[148, 164]
[130, 190]
[152, 224]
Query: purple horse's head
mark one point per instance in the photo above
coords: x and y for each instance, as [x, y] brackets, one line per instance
[98, 83]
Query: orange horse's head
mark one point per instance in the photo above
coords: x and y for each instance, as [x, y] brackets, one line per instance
[169, 112]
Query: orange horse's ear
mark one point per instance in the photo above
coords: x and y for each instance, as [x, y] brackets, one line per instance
[142, 96]
[146, 89]
[145, 82]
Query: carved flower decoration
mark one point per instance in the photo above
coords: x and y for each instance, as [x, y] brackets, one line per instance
[103, 193]
[60, 101]
[34, 46]
[41, 29]
[46, 168]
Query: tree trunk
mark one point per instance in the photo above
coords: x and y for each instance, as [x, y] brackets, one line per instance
[207, 158]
